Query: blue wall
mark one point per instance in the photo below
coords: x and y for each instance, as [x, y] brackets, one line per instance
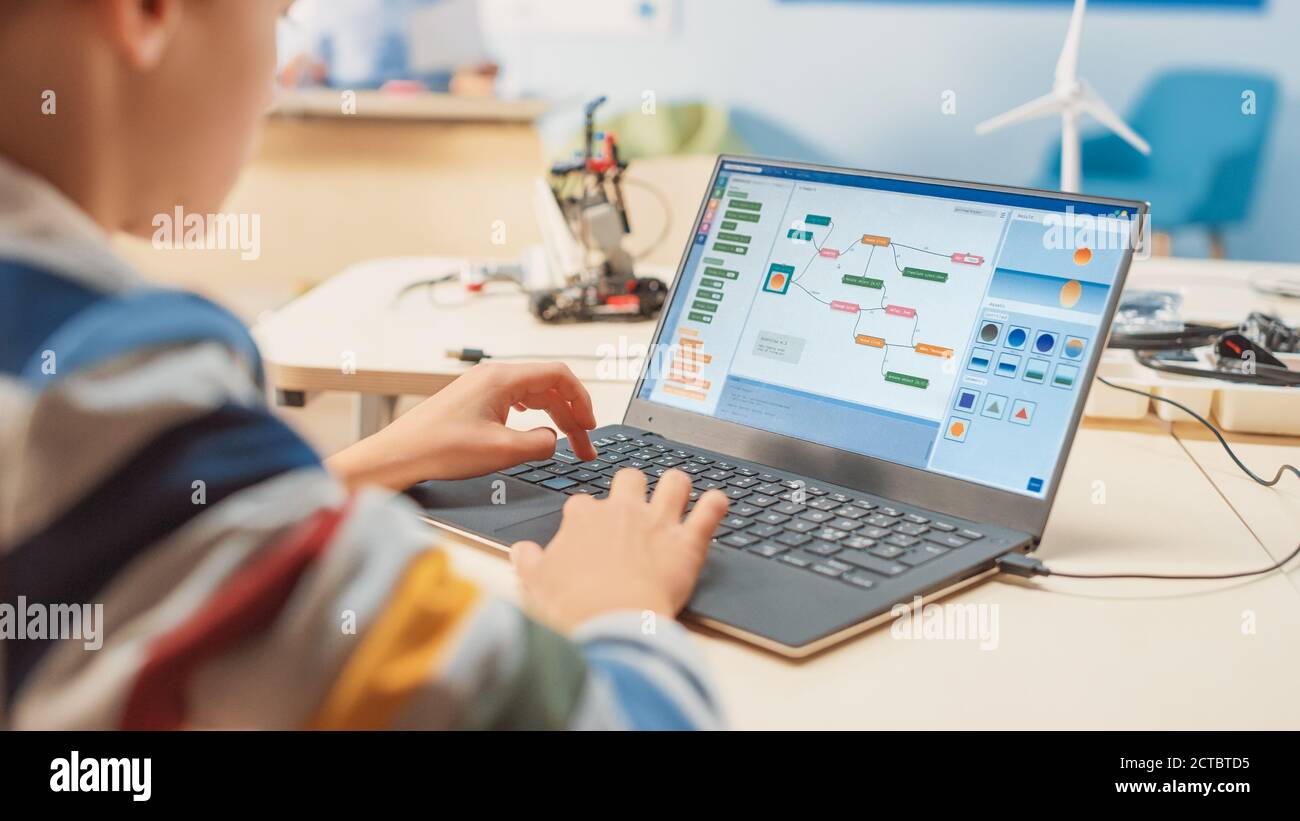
[862, 82]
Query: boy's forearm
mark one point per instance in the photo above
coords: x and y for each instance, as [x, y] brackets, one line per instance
[369, 463]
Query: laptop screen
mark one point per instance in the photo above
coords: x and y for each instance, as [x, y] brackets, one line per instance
[933, 325]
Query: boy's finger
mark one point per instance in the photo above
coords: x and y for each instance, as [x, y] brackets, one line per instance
[670, 495]
[704, 517]
[562, 413]
[527, 445]
[523, 380]
[629, 483]
[527, 558]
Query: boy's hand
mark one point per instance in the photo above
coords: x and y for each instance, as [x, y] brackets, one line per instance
[621, 553]
[461, 431]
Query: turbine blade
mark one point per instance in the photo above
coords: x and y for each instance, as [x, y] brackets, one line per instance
[1067, 65]
[1032, 110]
[1093, 104]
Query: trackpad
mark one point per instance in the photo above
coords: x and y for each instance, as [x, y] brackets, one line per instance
[539, 529]
[493, 506]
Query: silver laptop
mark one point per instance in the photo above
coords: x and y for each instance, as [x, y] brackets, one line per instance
[883, 372]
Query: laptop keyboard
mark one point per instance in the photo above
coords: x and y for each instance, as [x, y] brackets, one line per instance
[782, 518]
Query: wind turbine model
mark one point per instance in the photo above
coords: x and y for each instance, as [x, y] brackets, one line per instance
[1070, 96]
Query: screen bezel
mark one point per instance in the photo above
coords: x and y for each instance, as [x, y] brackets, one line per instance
[934, 491]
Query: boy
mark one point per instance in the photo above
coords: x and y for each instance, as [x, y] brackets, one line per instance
[140, 470]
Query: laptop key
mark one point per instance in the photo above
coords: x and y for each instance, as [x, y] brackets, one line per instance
[822, 548]
[909, 529]
[771, 517]
[891, 511]
[584, 475]
[844, 524]
[746, 472]
[850, 512]
[873, 532]
[858, 579]
[763, 531]
[745, 509]
[759, 500]
[516, 470]
[817, 516]
[830, 534]
[605, 482]
[718, 475]
[690, 469]
[944, 526]
[970, 534]
[559, 469]
[735, 492]
[922, 553]
[793, 539]
[838, 497]
[823, 504]
[915, 519]
[566, 457]
[536, 476]
[742, 481]
[736, 522]
[887, 551]
[539, 463]
[768, 489]
[858, 542]
[946, 539]
[557, 483]
[767, 549]
[800, 526]
[794, 559]
[594, 464]
[876, 520]
[827, 569]
[788, 508]
[707, 484]
[739, 540]
[901, 540]
[881, 566]
[582, 490]
[854, 557]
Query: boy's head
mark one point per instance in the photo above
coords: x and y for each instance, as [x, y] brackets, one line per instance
[133, 107]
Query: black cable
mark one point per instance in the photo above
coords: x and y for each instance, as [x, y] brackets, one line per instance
[1265, 482]
[1019, 564]
[476, 355]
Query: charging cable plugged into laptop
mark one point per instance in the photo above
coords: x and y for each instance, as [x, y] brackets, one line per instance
[1018, 564]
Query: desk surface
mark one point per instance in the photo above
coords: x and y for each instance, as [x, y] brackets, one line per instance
[1141, 495]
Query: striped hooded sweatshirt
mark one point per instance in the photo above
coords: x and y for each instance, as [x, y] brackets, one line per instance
[172, 555]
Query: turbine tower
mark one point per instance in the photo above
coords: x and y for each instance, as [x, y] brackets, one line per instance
[1071, 97]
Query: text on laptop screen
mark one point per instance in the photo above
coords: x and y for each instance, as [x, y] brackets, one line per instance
[942, 327]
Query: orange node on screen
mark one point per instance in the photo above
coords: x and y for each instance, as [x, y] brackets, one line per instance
[1082, 256]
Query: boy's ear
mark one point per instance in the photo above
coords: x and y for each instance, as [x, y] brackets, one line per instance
[142, 29]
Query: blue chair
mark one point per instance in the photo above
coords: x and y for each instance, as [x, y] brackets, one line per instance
[1205, 151]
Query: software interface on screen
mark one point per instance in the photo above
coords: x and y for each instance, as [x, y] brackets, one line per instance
[939, 327]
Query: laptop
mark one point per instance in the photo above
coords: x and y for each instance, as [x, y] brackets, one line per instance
[883, 372]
